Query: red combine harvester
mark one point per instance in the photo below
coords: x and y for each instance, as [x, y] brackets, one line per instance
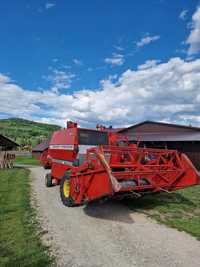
[91, 164]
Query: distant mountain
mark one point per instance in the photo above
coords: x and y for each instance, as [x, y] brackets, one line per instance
[25, 132]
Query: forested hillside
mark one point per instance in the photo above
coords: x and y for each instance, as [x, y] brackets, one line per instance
[26, 132]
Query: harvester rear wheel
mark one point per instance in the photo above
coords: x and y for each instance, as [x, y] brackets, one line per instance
[48, 180]
[65, 191]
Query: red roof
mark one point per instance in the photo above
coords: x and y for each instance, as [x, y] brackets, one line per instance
[42, 146]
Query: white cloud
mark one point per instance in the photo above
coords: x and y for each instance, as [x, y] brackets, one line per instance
[60, 79]
[183, 14]
[115, 60]
[167, 91]
[77, 62]
[4, 79]
[118, 47]
[193, 39]
[148, 64]
[49, 5]
[147, 40]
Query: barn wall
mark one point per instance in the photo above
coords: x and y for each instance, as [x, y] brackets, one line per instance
[195, 158]
[185, 146]
[191, 149]
[36, 154]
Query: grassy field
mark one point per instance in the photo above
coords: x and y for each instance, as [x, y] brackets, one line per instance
[29, 160]
[180, 210]
[26, 132]
[20, 239]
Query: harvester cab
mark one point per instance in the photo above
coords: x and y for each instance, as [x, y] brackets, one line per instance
[91, 164]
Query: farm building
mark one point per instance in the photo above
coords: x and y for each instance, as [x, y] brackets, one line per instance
[40, 148]
[6, 158]
[164, 135]
[7, 144]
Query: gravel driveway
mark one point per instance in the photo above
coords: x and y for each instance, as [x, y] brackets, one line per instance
[109, 234]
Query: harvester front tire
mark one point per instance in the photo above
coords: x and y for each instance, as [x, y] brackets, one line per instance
[48, 180]
[46, 167]
[65, 192]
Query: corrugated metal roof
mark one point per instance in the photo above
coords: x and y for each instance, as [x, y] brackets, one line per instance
[165, 136]
[42, 146]
[160, 123]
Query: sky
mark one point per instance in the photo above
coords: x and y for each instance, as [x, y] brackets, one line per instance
[111, 62]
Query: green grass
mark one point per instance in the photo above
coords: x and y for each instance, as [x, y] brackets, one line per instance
[29, 160]
[180, 209]
[20, 238]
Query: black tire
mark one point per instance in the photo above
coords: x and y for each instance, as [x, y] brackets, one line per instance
[46, 167]
[65, 196]
[48, 180]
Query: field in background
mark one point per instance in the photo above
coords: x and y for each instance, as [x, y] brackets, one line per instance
[20, 238]
[180, 209]
[25, 132]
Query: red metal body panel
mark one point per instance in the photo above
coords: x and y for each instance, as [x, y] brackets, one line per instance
[45, 160]
[118, 168]
[58, 170]
[64, 144]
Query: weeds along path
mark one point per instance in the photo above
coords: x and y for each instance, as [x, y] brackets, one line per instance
[109, 234]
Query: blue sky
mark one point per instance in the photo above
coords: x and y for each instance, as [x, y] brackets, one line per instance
[100, 61]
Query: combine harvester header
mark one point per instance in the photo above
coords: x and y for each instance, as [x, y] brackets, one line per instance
[91, 164]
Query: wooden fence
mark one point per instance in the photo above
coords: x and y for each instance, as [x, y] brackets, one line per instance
[6, 160]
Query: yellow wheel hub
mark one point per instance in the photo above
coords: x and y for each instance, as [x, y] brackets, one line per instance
[66, 188]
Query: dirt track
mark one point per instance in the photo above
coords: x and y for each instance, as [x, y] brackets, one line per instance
[109, 234]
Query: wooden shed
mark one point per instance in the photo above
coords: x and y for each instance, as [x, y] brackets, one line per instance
[165, 135]
[40, 148]
[6, 143]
